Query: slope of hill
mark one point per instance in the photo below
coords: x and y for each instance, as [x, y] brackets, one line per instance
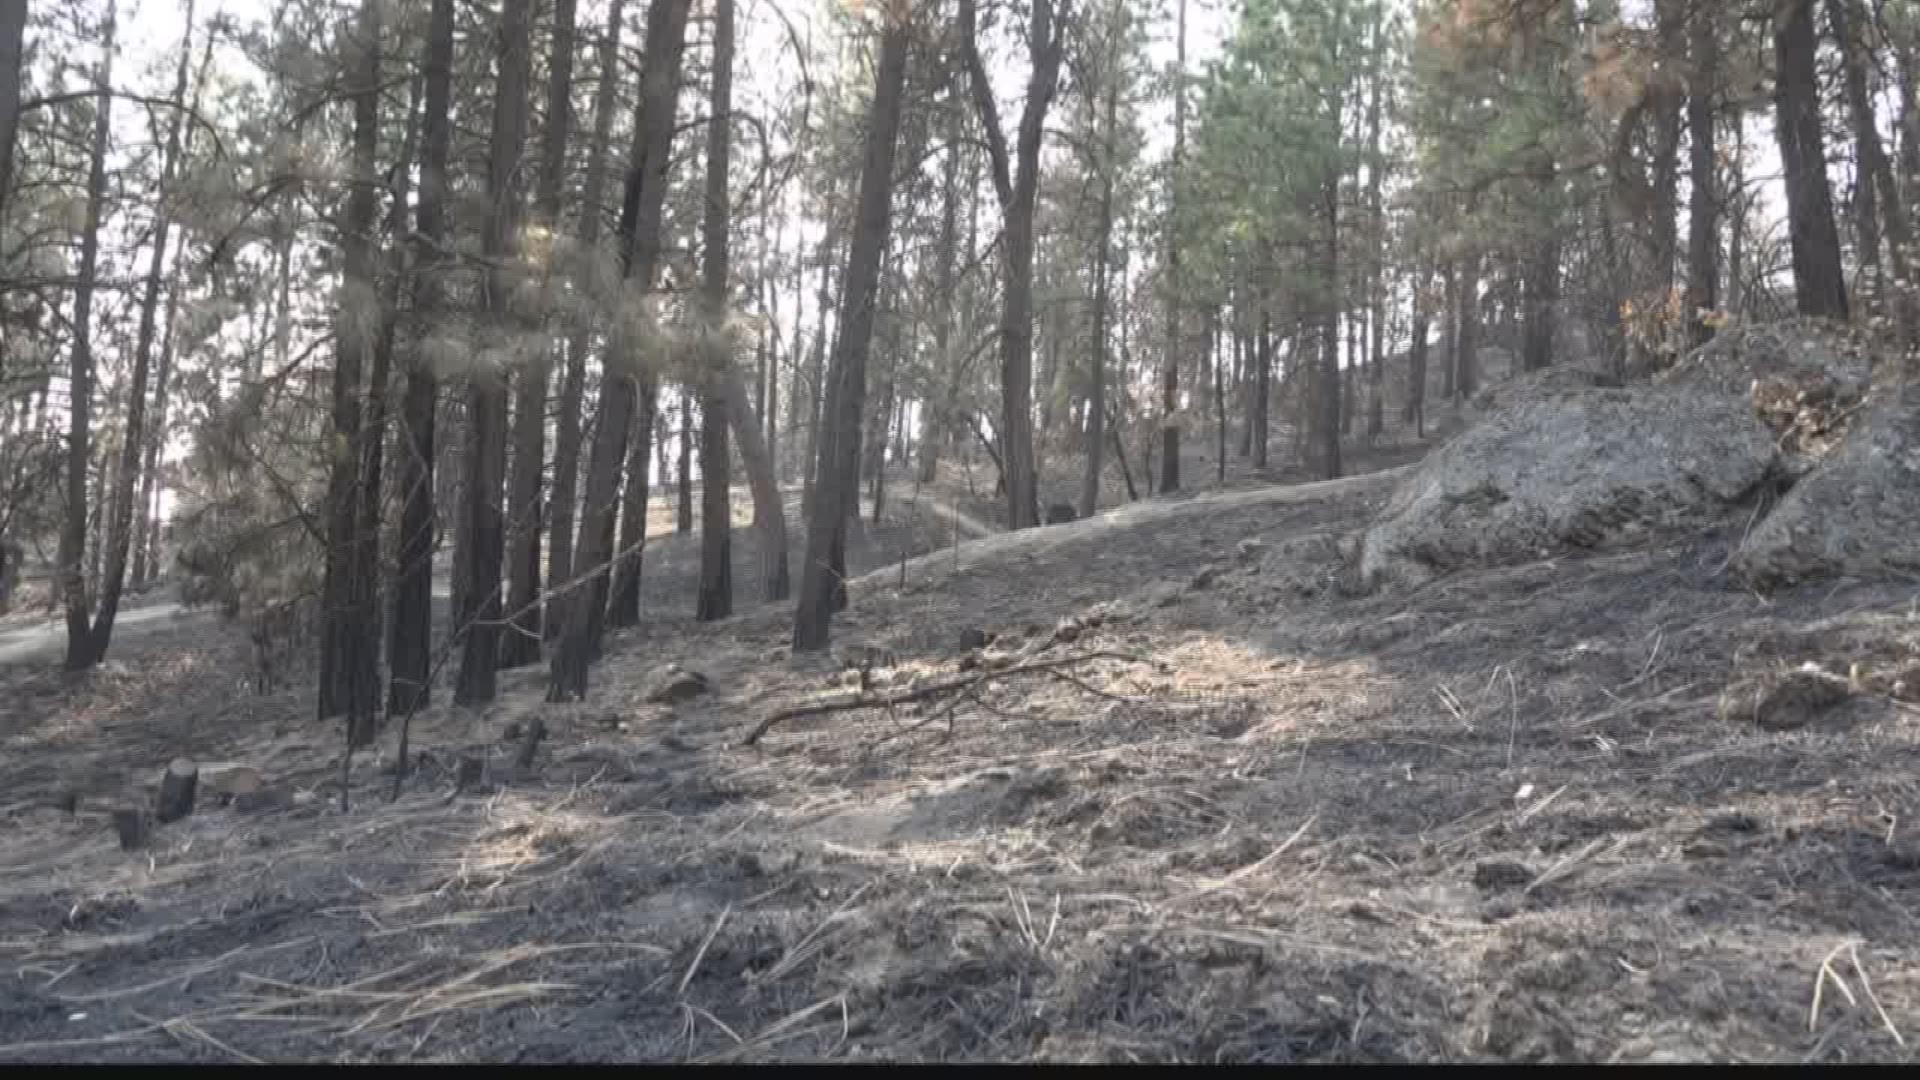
[1193, 802]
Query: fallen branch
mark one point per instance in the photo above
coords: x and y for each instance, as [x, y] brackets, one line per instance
[956, 684]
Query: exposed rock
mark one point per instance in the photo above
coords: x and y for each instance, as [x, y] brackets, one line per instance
[230, 780]
[1795, 350]
[678, 684]
[1804, 380]
[1781, 701]
[1856, 512]
[1535, 385]
[1572, 470]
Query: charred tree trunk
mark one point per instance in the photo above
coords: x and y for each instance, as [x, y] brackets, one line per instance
[348, 668]
[1377, 248]
[1703, 211]
[1103, 241]
[1416, 410]
[836, 466]
[1819, 285]
[1466, 355]
[1876, 172]
[817, 364]
[937, 423]
[769, 513]
[1016, 180]
[573, 378]
[379, 384]
[1170, 362]
[1450, 286]
[623, 607]
[1215, 360]
[1664, 100]
[487, 392]
[146, 532]
[715, 600]
[641, 214]
[146, 527]
[409, 644]
[1326, 409]
[1260, 424]
[13, 29]
[73, 529]
[134, 439]
[523, 633]
[683, 468]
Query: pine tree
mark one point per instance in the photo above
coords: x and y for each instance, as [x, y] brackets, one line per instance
[836, 469]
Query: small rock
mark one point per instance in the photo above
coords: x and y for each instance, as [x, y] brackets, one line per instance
[1250, 550]
[1163, 595]
[1501, 874]
[680, 684]
[1068, 630]
[972, 637]
[1783, 701]
[230, 779]
[1205, 578]
[1704, 849]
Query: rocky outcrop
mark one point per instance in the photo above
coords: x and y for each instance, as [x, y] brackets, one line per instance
[1856, 512]
[1535, 385]
[1568, 470]
[1804, 380]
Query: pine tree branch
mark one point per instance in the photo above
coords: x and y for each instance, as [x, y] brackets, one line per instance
[982, 92]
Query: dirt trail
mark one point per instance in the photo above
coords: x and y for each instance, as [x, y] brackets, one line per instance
[47, 639]
[969, 524]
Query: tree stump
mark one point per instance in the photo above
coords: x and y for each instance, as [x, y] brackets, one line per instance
[467, 775]
[530, 736]
[133, 824]
[177, 789]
